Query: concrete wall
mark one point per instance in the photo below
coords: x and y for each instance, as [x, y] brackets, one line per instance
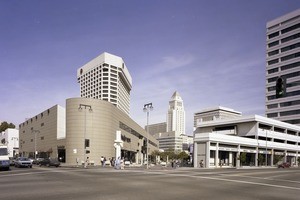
[99, 126]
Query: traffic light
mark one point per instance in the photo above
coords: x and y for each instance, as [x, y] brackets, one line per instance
[280, 87]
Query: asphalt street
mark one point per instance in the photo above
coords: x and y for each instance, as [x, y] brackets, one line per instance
[44, 183]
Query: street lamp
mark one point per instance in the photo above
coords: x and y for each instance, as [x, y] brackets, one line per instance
[147, 108]
[35, 131]
[85, 142]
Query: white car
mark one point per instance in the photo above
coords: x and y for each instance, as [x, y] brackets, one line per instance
[23, 162]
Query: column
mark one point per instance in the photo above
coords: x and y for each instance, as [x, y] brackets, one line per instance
[297, 156]
[238, 160]
[272, 157]
[195, 155]
[285, 155]
[230, 159]
[137, 157]
[256, 157]
[217, 155]
[207, 156]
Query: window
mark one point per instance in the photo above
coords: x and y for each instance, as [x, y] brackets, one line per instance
[271, 71]
[290, 66]
[291, 56]
[272, 53]
[296, 26]
[294, 46]
[292, 112]
[272, 79]
[271, 62]
[292, 37]
[294, 121]
[272, 106]
[273, 35]
[272, 44]
[290, 103]
[270, 115]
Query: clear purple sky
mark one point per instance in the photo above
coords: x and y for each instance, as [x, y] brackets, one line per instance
[212, 52]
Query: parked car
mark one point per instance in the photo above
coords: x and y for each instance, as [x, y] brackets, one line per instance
[49, 162]
[37, 161]
[284, 165]
[23, 162]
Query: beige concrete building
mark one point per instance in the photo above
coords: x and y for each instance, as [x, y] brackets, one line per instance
[44, 134]
[85, 119]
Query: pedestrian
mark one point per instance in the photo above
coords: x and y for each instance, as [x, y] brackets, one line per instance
[101, 160]
[112, 162]
[122, 163]
[87, 161]
[117, 163]
[201, 163]
[104, 160]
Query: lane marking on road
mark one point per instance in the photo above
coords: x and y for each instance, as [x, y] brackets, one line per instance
[222, 179]
[265, 178]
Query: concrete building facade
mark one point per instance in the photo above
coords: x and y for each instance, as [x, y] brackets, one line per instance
[215, 113]
[283, 68]
[85, 119]
[44, 134]
[245, 141]
[106, 77]
[10, 137]
[176, 115]
[156, 128]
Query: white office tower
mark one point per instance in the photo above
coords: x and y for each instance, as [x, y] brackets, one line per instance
[176, 115]
[283, 68]
[106, 77]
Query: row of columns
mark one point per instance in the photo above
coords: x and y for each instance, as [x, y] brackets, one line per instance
[216, 158]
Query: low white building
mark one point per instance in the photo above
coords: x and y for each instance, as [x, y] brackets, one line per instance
[10, 137]
[245, 141]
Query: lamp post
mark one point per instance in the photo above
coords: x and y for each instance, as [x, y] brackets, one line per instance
[35, 131]
[84, 136]
[147, 108]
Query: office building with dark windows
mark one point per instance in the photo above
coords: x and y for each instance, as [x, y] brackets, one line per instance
[106, 77]
[283, 68]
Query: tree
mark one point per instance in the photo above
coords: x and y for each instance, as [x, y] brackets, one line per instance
[277, 158]
[154, 154]
[243, 157]
[4, 125]
[261, 159]
[183, 156]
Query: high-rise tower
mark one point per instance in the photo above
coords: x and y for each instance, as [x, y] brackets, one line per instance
[106, 77]
[283, 68]
[176, 115]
